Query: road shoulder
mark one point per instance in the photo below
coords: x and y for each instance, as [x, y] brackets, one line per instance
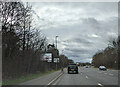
[43, 80]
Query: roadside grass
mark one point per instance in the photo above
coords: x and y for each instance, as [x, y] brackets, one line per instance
[0, 83]
[93, 67]
[26, 78]
[112, 69]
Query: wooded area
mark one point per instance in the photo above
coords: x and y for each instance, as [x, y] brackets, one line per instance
[108, 57]
[23, 45]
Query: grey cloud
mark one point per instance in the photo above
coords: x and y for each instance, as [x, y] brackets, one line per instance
[79, 51]
[86, 27]
[81, 40]
[91, 21]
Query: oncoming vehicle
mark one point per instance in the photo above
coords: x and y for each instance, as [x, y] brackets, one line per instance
[72, 68]
[102, 68]
[86, 66]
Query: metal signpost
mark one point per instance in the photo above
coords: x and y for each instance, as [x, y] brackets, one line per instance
[56, 60]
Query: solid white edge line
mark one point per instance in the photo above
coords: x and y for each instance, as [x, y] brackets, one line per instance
[54, 79]
[57, 81]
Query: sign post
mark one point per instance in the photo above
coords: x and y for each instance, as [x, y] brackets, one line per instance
[47, 58]
[56, 60]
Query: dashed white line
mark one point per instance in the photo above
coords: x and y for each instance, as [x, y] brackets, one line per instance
[99, 84]
[105, 73]
[81, 73]
[111, 74]
[86, 77]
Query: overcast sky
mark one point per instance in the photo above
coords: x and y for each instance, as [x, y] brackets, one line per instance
[83, 28]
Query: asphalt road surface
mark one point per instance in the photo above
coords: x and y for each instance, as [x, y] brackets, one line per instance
[43, 80]
[89, 76]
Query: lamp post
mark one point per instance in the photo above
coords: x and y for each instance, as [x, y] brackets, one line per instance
[62, 52]
[56, 41]
[56, 48]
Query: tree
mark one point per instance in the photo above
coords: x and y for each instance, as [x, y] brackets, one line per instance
[108, 57]
[22, 43]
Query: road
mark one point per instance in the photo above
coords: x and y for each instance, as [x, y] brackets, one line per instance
[86, 76]
[89, 76]
[43, 80]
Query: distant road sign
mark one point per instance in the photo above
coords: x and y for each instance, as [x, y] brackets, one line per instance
[50, 60]
[56, 60]
[47, 57]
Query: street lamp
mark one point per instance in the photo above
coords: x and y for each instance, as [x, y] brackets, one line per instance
[56, 48]
[62, 52]
[56, 41]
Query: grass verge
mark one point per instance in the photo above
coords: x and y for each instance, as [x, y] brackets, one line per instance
[26, 78]
[0, 83]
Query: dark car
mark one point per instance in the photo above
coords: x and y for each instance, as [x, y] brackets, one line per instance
[72, 68]
[102, 68]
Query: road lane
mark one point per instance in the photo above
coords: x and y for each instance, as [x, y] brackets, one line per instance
[75, 79]
[105, 77]
[90, 76]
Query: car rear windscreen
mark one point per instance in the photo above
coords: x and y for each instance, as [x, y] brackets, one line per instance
[72, 66]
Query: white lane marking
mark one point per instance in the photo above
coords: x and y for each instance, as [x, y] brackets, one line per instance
[81, 73]
[105, 73]
[56, 82]
[99, 84]
[111, 74]
[54, 79]
[86, 77]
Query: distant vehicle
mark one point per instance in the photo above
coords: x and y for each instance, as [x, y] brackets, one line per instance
[102, 68]
[72, 68]
[86, 66]
[77, 63]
